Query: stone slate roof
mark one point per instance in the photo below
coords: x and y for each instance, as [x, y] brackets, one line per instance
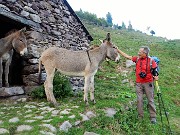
[72, 12]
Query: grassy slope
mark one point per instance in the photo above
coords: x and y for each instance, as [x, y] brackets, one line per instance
[169, 55]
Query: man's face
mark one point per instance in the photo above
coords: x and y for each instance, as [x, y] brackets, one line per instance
[141, 53]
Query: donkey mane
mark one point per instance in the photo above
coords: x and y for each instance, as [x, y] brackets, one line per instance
[93, 47]
[12, 34]
[13, 31]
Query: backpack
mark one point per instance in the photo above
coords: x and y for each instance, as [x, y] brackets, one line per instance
[156, 59]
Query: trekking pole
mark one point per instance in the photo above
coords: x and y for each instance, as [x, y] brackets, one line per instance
[160, 100]
[158, 94]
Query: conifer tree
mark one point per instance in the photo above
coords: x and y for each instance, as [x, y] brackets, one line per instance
[123, 26]
[109, 19]
[130, 26]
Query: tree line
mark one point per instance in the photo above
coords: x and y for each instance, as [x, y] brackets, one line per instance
[105, 22]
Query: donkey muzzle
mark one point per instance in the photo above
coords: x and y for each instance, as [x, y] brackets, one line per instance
[117, 58]
[24, 52]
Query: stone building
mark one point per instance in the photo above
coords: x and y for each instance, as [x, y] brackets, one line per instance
[50, 23]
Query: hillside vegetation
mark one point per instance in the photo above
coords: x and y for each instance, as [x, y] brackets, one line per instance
[168, 51]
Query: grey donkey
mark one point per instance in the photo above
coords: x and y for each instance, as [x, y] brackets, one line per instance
[76, 63]
[16, 40]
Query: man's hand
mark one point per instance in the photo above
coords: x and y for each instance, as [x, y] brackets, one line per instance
[155, 78]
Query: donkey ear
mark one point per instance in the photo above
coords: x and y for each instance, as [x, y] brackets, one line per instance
[23, 29]
[108, 37]
[28, 33]
[101, 40]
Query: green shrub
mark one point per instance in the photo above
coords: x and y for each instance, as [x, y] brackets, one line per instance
[38, 92]
[61, 87]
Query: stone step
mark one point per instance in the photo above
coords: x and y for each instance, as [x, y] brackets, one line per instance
[11, 91]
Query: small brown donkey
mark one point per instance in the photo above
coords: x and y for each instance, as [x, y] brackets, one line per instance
[14, 40]
[75, 63]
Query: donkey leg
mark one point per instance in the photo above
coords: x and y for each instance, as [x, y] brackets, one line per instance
[86, 88]
[92, 90]
[49, 79]
[47, 91]
[6, 72]
[1, 72]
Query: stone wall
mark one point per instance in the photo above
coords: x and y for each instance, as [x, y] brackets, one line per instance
[58, 26]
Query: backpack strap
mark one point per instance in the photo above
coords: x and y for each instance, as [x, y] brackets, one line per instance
[137, 60]
[150, 62]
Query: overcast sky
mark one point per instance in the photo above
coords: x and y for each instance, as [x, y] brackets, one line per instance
[162, 16]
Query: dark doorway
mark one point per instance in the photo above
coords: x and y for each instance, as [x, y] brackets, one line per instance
[7, 24]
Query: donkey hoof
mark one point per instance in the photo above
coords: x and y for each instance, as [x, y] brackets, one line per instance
[52, 104]
[56, 104]
[0, 85]
[94, 102]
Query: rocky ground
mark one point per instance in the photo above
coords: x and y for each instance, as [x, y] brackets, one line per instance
[26, 115]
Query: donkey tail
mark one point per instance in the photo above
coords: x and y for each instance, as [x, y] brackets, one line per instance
[40, 71]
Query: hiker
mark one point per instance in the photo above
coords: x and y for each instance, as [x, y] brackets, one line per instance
[145, 74]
